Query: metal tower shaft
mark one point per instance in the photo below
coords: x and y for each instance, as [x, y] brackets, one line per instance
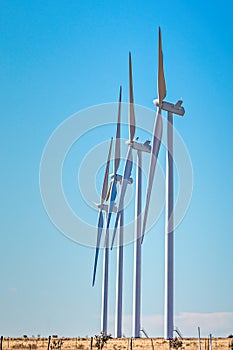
[169, 235]
[137, 250]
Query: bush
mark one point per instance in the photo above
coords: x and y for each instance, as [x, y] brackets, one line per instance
[101, 340]
[175, 343]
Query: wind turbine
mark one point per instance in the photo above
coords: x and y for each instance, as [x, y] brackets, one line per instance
[110, 208]
[139, 147]
[169, 214]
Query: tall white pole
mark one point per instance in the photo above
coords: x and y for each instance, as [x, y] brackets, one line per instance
[105, 285]
[169, 235]
[119, 280]
[137, 250]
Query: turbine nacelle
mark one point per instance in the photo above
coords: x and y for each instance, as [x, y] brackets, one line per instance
[119, 178]
[104, 207]
[116, 176]
[138, 146]
[171, 107]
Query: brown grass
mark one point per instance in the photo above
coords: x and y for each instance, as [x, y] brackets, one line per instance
[112, 344]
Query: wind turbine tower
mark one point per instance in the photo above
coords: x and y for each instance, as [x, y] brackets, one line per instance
[169, 215]
[139, 147]
[171, 109]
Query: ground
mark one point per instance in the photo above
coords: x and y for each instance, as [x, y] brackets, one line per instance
[113, 344]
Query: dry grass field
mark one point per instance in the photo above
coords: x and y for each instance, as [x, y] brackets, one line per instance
[112, 344]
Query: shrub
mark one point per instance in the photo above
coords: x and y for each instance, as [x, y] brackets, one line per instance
[176, 343]
[101, 340]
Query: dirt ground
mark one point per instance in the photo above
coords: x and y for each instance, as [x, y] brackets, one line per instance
[112, 344]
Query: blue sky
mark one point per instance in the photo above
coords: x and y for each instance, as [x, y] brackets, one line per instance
[58, 58]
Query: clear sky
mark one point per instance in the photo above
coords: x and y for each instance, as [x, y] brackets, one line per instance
[59, 57]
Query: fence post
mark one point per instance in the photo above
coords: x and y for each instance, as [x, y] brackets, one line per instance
[210, 342]
[91, 343]
[1, 342]
[199, 337]
[49, 342]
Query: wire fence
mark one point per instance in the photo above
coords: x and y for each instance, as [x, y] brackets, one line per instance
[55, 343]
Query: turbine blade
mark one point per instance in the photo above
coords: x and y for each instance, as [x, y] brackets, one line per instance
[161, 78]
[105, 183]
[115, 228]
[132, 122]
[109, 191]
[112, 202]
[118, 136]
[157, 136]
[125, 181]
[126, 177]
[99, 234]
